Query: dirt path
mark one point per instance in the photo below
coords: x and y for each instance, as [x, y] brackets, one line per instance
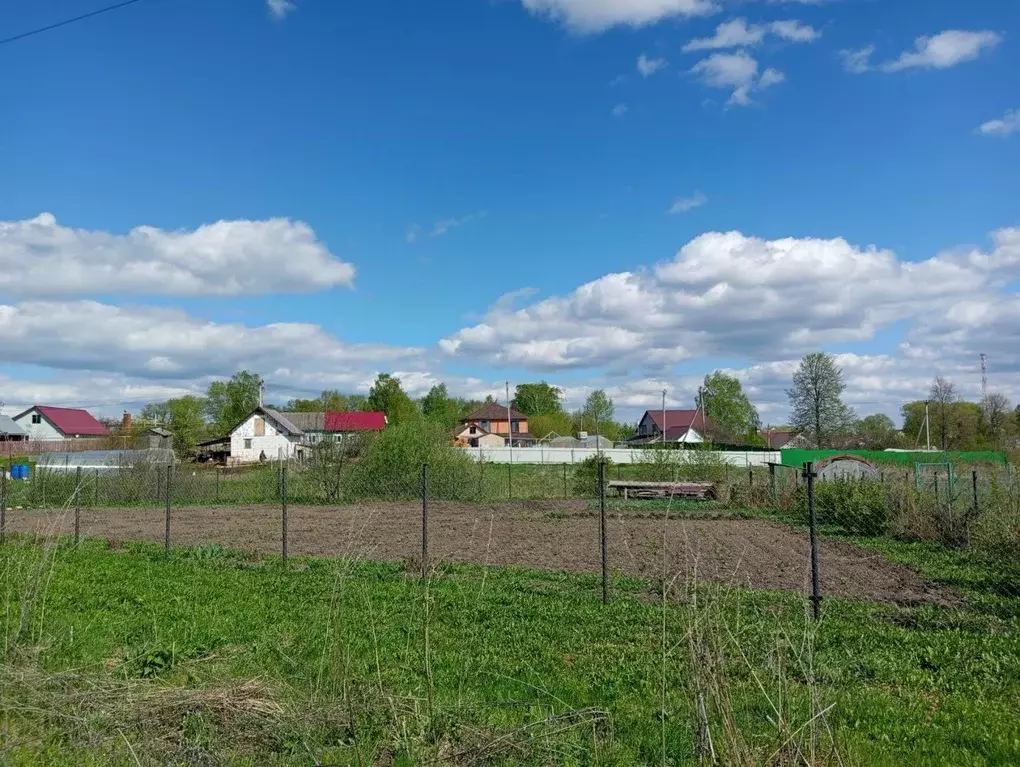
[551, 535]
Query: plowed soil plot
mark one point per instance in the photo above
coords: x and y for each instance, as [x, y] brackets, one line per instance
[548, 535]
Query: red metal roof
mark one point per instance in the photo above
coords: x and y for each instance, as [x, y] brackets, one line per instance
[679, 419]
[72, 421]
[356, 421]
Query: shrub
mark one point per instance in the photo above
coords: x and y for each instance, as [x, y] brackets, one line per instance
[667, 465]
[391, 464]
[586, 475]
[858, 506]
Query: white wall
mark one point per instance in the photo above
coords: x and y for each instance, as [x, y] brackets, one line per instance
[274, 440]
[540, 454]
[41, 431]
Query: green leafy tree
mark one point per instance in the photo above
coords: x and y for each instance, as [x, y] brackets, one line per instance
[228, 402]
[183, 417]
[599, 408]
[388, 396]
[440, 408]
[555, 423]
[330, 401]
[878, 431]
[538, 399]
[732, 416]
[816, 399]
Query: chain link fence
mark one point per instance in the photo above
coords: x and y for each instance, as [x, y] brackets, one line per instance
[891, 538]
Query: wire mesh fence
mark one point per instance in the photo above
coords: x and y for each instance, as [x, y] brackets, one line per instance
[780, 527]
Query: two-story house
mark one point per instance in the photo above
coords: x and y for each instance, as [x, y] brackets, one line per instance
[671, 426]
[509, 424]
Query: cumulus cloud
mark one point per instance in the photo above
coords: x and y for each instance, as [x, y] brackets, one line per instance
[684, 204]
[587, 16]
[39, 257]
[167, 344]
[648, 67]
[941, 51]
[737, 33]
[737, 72]
[729, 295]
[1003, 126]
[279, 9]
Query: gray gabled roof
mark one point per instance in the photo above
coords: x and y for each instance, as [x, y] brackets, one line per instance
[283, 420]
[9, 428]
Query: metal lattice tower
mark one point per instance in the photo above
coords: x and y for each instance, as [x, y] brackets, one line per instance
[984, 376]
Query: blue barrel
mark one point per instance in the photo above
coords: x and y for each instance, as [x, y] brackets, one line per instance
[15, 471]
[24, 471]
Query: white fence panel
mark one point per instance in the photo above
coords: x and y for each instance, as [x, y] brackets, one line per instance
[558, 455]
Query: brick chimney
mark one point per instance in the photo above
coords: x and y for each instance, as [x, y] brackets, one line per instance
[125, 422]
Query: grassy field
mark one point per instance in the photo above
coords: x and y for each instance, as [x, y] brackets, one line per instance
[118, 656]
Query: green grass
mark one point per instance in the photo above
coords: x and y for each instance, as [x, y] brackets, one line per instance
[213, 655]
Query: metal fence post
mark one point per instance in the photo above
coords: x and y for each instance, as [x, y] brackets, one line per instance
[169, 504]
[77, 506]
[816, 589]
[973, 477]
[510, 481]
[565, 495]
[602, 530]
[424, 520]
[283, 502]
[3, 506]
[217, 484]
[772, 481]
[95, 494]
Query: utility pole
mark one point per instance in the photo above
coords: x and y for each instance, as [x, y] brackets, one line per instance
[509, 424]
[927, 428]
[663, 416]
[984, 376]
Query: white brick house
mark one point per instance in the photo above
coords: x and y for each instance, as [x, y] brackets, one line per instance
[264, 432]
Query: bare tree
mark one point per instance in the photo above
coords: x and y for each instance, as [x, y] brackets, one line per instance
[816, 399]
[943, 398]
[995, 414]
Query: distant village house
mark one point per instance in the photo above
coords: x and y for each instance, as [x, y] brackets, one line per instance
[684, 426]
[45, 423]
[501, 422]
[268, 434]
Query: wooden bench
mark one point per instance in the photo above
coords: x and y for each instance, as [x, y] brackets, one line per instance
[698, 491]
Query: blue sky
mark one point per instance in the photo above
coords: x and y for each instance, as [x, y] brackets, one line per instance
[451, 153]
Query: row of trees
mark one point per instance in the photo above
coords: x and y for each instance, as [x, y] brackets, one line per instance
[816, 406]
[945, 420]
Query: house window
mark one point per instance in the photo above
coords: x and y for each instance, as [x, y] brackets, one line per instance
[515, 426]
[36, 418]
[474, 430]
[484, 425]
[247, 444]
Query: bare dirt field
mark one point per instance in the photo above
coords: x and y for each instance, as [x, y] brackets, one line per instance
[552, 535]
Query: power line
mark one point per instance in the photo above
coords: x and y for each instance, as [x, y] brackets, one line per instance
[65, 22]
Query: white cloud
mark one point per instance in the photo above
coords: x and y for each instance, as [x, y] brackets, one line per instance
[794, 31]
[857, 60]
[730, 34]
[586, 16]
[648, 67]
[39, 257]
[1003, 126]
[737, 33]
[728, 295]
[737, 72]
[620, 110]
[684, 204]
[279, 9]
[167, 344]
[944, 50]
